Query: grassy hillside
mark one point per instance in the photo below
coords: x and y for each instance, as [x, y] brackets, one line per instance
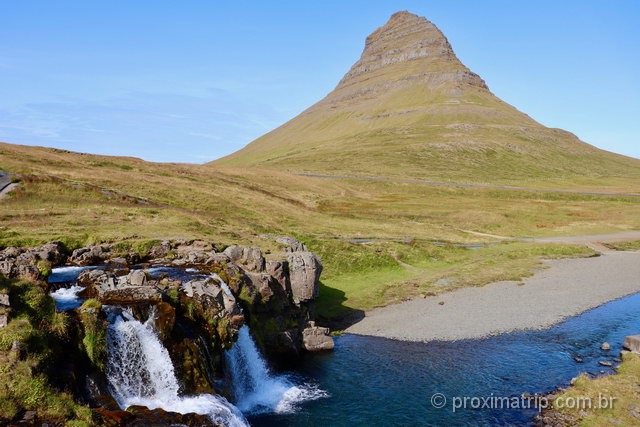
[409, 108]
[406, 234]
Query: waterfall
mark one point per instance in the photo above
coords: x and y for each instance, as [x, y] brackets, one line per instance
[255, 389]
[140, 372]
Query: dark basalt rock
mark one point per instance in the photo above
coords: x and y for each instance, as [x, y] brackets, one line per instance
[140, 416]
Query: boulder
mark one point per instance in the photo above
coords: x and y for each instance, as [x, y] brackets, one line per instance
[316, 338]
[197, 257]
[52, 252]
[234, 252]
[253, 259]
[90, 255]
[632, 343]
[183, 248]
[137, 278]
[96, 283]
[27, 257]
[304, 275]
[293, 244]
[250, 259]
[4, 320]
[161, 250]
[4, 300]
[211, 297]
[131, 295]
[605, 346]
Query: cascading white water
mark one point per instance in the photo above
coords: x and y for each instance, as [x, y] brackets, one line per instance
[67, 298]
[140, 372]
[255, 389]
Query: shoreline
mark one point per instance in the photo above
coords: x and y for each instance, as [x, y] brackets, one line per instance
[567, 288]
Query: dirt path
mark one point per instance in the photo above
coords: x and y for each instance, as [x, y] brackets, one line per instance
[467, 185]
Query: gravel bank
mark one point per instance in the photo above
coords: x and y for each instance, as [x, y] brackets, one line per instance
[568, 287]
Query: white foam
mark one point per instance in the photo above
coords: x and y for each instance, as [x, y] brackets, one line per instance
[67, 298]
[255, 389]
[140, 372]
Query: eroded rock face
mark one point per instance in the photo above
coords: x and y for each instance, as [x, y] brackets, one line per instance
[304, 275]
[279, 271]
[405, 40]
[211, 299]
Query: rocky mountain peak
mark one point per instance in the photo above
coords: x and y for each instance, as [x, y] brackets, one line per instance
[408, 48]
[407, 39]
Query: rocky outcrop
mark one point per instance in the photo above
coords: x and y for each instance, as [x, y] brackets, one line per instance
[138, 416]
[291, 244]
[212, 299]
[304, 275]
[315, 338]
[407, 38]
[276, 294]
[196, 319]
[110, 289]
[90, 255]
[250, 259]
[31, 263]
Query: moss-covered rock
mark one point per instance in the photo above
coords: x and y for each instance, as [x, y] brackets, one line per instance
[94, 332]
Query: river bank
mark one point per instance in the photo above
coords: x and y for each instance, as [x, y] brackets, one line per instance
[568, 287]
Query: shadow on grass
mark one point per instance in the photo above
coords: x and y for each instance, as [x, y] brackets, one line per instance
[331, 311]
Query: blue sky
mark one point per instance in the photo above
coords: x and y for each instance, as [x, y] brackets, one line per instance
[192, 81]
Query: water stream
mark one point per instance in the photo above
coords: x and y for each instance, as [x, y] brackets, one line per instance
[377, 381]
[140, 372]
[374, 381]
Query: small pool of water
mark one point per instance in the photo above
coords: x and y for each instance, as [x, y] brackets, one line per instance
[377, 381]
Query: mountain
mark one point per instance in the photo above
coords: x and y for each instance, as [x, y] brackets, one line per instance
[409, 108]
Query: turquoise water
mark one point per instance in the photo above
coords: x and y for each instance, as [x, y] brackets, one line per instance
[380, 382]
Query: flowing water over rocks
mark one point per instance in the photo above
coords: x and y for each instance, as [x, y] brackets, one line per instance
[140, 372]
[255, 389]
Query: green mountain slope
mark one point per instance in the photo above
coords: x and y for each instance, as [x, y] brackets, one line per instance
[410, 108]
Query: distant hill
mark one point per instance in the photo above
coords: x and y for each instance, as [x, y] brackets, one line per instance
[409, 108]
